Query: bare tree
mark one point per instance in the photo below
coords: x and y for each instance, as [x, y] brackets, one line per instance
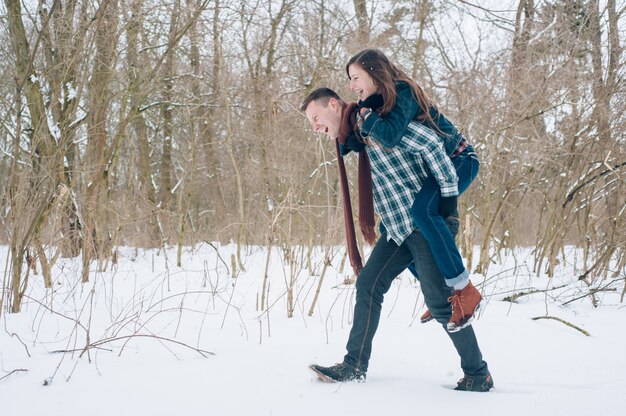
[154, 123]
[363, 31]
[34, 188]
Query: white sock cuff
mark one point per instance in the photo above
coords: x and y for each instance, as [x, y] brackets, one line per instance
[461, 285]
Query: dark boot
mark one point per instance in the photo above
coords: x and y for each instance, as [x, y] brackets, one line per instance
[475, 383]
[338, 373]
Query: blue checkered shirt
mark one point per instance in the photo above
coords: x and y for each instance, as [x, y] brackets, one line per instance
[398, 173]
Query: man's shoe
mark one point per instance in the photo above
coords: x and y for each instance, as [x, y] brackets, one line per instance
[465, 303]
[427, 317]
[338, 373]
[475, 383]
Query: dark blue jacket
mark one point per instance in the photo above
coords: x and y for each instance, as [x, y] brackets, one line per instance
[389, 129]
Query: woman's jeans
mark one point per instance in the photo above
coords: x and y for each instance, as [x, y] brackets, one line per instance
[432, 225]
[386, 261]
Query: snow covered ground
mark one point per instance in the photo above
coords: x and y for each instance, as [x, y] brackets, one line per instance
[255, 363]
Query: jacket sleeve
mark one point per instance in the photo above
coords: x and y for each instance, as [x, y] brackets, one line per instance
[388, 130]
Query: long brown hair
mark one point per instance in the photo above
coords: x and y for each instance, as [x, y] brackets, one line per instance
[385, 74]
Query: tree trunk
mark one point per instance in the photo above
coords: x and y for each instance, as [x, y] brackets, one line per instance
[207, 113]
[96, 242]
[363, 31]
[138, 123]
[166, 170]
[30, 195]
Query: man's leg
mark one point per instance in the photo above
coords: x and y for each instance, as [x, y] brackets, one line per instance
[466, 345]
[454, 220]
[386, 261]
[436, 294]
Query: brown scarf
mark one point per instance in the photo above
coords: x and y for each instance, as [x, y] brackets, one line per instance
[366, 199]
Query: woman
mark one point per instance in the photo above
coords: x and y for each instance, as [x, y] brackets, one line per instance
[389, 101]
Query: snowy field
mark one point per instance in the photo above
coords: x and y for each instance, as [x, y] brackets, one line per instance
[166, 340]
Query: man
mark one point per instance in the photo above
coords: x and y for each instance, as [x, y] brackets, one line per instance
[328, 114]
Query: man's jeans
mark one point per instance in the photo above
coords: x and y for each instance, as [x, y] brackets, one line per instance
[432, 225]
[386, 261]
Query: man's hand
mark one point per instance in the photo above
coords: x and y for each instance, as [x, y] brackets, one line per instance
[447, 206]
[352, 145]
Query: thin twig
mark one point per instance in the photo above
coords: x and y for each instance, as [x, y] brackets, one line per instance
[52, 311]
[79, 350]
[218, 255]
[13, 334]
[564, 322]
[515, 296]
[97, 344]
[199, 292]
[17, 370]
[573, 192]
[590, 293]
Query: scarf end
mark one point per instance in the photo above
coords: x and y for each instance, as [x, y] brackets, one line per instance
[369, 234]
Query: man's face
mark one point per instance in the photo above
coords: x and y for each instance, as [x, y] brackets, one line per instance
[325, 118]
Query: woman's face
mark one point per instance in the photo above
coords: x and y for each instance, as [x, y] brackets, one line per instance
[361, 82]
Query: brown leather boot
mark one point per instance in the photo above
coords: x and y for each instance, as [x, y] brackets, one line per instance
[465, 304]
[426, 317]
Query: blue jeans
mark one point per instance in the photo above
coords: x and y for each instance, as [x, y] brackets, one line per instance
[385, 262]
[432, 225]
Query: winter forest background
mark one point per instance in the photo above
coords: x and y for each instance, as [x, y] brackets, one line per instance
[166, 124]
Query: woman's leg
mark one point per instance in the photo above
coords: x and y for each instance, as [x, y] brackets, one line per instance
[426, 216]
[434, 229]
[466, 165]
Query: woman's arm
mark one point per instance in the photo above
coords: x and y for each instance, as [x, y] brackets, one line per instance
[389, 129]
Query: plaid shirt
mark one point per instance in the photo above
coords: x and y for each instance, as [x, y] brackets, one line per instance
[397, 176]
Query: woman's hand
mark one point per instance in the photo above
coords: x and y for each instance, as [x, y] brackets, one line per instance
[374, 101]
[447, 206]
[361, 116]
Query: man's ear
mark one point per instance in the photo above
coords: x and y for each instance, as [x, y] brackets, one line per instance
[333, 103]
